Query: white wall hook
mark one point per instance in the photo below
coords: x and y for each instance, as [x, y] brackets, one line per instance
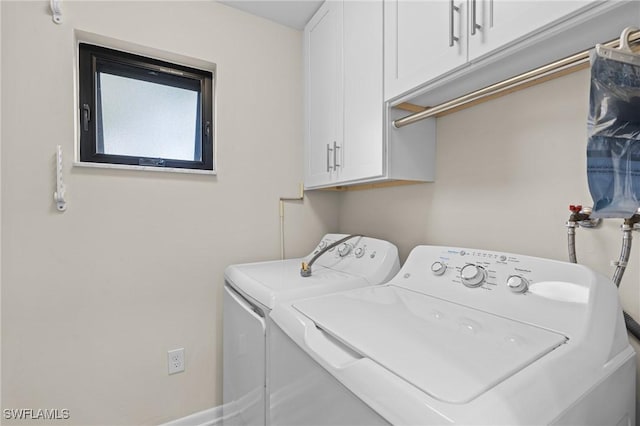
[58, 196]
[56, 11]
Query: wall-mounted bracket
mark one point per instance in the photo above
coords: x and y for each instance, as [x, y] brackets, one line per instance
[56, 11]
[58, 196]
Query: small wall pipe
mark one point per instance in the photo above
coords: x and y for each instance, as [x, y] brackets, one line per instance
[300, 197]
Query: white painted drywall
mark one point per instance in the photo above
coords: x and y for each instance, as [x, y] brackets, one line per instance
[0, 203]
[507, 171]
[93, 298]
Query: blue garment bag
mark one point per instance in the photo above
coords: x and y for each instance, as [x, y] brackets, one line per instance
[613, 149]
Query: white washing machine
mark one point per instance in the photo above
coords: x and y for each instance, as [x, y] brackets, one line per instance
[459, 336]
[252, 290]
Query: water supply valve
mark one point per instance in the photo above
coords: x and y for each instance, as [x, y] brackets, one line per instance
[577, 213]
[582, 217]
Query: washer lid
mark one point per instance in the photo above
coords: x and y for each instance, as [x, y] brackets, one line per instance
[452, 352]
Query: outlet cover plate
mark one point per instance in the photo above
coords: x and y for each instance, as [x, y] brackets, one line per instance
[175, 359]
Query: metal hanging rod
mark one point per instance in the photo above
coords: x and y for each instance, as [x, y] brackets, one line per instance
[562, 66]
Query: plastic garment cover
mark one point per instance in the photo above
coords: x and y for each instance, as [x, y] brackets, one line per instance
[613, 150]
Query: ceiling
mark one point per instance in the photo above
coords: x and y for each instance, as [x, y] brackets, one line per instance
[292, 13]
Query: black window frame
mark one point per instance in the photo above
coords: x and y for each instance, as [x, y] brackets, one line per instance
[94, 59]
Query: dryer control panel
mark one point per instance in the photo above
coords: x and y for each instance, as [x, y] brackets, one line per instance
[373, 259]
[548, 293]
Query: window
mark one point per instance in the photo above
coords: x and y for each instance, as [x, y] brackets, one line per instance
[141, 111]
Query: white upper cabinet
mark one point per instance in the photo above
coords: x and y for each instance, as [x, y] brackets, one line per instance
[423, 39]
[348, 140]
[428, 39]
[494, 23]
[323, 97]
[363, 127]
[364, 58]
[344, 140]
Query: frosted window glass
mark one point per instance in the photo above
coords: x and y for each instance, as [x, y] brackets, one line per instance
[144, 119]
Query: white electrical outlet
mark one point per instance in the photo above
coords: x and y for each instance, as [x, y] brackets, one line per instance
[176, 360]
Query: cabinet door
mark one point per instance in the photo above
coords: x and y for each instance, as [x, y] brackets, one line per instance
[423, 39]
[499, 22]
[323, 93]
[362, 148]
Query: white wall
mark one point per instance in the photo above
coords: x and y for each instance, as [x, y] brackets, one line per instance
[507, 171]
[93, 298]
[0, 202]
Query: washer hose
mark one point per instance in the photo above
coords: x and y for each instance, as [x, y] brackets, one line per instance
[632, 325]
[305, 270]
[571, 241]
[625, 252]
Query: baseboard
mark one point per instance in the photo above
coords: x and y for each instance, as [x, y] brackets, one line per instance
[209, 417]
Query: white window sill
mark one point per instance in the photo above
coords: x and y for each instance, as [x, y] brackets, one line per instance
[145, 168]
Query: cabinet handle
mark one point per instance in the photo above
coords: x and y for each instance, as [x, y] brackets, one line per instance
[474, 22]
[335, 155]
[328, 155]
[490, 13]
[452, 8]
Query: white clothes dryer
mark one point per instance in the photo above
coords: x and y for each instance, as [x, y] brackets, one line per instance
[459, 336]
[252, 290]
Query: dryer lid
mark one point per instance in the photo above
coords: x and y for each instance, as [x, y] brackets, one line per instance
[274, 281]
[451, 352]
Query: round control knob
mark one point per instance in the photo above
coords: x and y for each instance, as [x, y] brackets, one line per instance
[359, 252]
[322, 245]
[472, 275]
[517, 284]
[438, 268]
[344, 249]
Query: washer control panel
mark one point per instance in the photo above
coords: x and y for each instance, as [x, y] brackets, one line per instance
[527, 288]
[484, 269]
